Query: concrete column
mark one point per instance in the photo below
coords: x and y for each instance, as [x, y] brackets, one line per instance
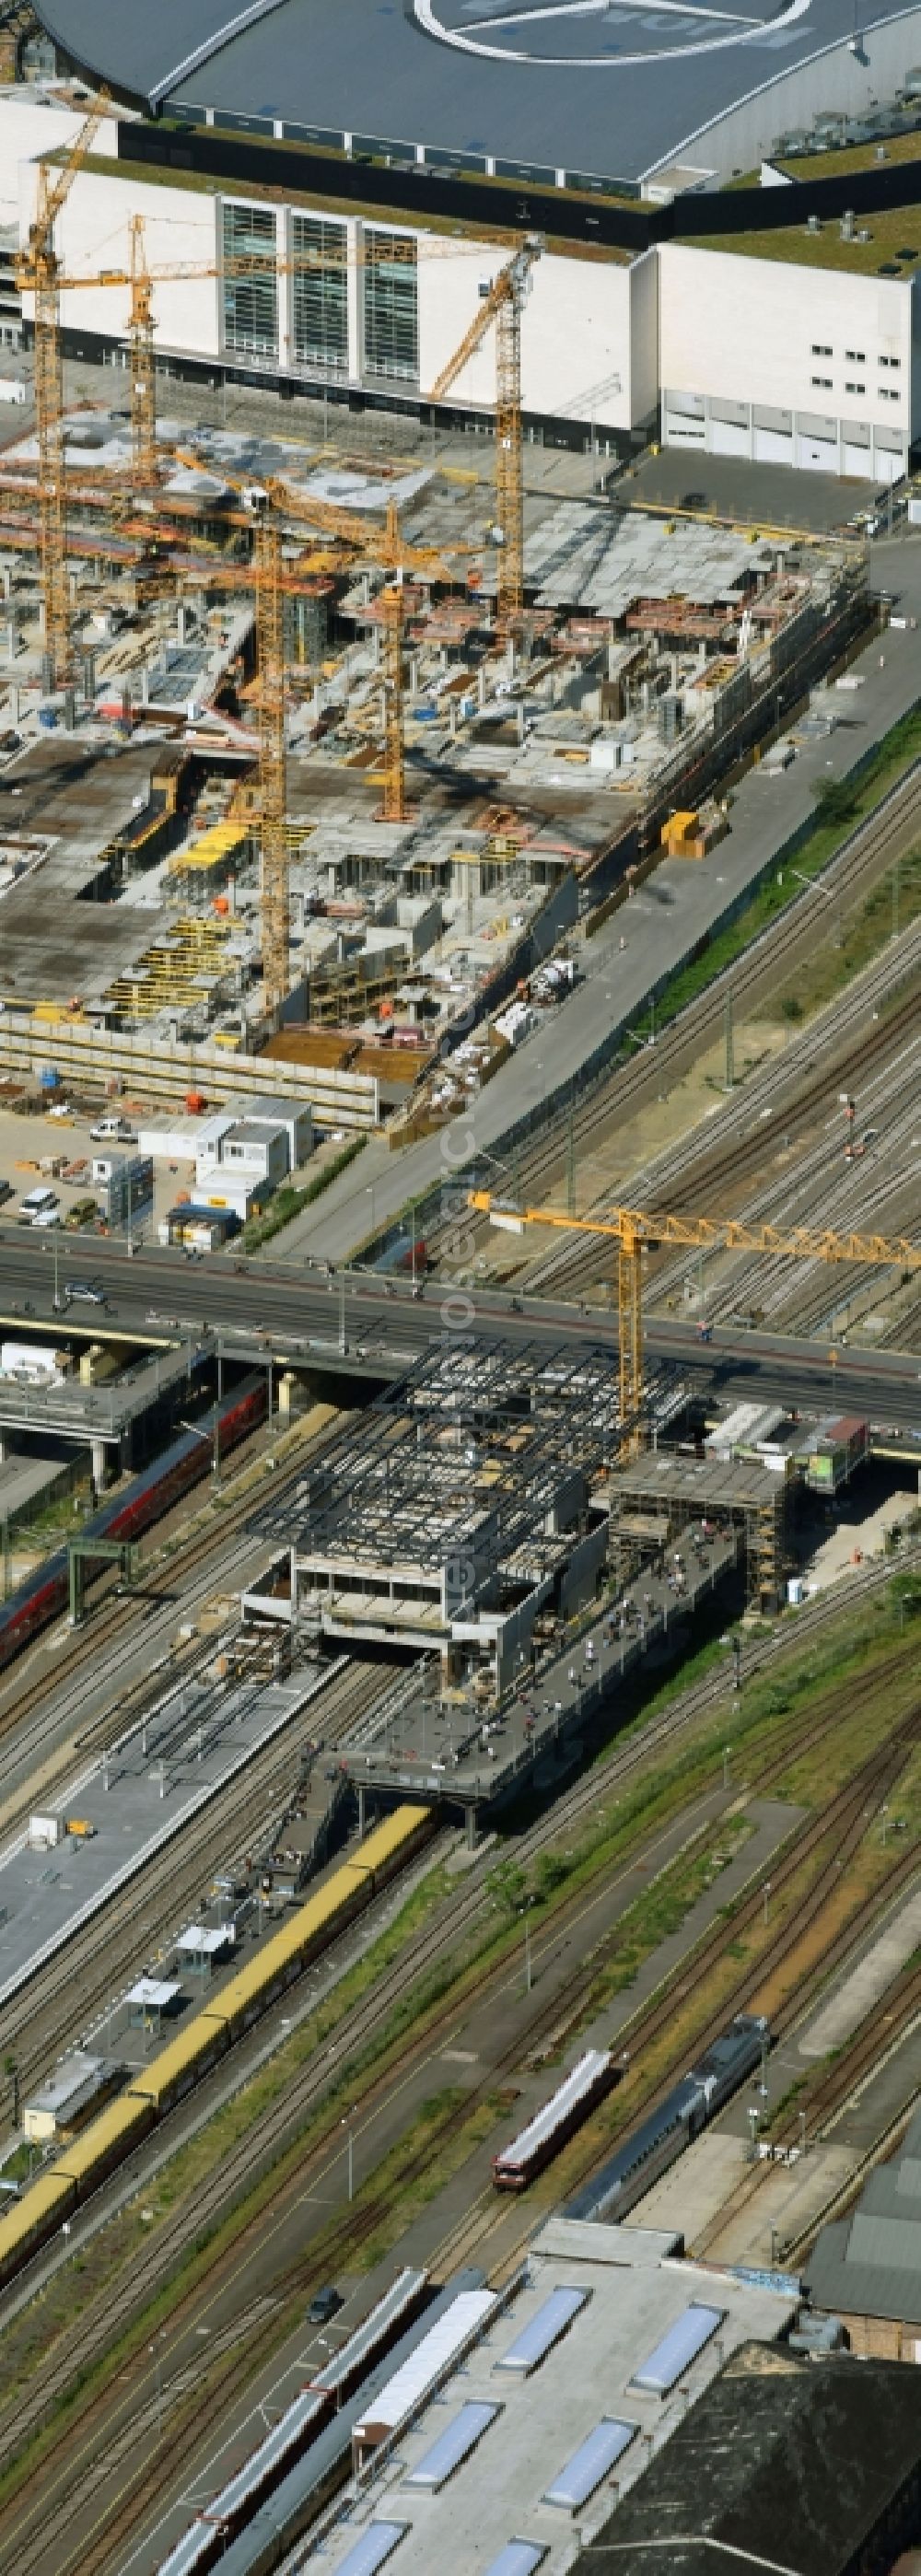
[471, 1829]
[355, 278]
[361, 1814]
[284, 285]
[98, 1448]
[285, 1384]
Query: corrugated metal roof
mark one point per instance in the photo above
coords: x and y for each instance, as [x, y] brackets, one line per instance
[892, 2243]
[580, 2080]
[406, 2392]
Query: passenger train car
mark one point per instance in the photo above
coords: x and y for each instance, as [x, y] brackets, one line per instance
[80, 2167]
[44, 1594]
[686, 2110]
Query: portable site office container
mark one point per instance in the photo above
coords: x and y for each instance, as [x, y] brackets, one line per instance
[105, 2142]
[42, 2208]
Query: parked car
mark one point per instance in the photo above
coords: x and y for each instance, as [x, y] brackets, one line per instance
[324, 2306]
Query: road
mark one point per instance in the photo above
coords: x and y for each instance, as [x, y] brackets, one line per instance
[159, 1295]
[662, 927]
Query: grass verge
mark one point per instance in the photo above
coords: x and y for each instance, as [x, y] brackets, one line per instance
[289, 1202]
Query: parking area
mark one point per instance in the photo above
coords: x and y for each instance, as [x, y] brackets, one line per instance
[732, 487]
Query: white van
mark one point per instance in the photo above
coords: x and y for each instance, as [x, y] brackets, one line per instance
[39, 1206]
[113, 1131]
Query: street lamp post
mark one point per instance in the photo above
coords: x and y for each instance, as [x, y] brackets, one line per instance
[214, 1438]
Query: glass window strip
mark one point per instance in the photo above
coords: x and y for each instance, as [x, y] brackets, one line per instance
[250, 301]
[320, 297]
[390, 306]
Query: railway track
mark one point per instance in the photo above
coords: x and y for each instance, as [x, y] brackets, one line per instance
[56, 1702]
[40, 2019]
[840, 1825]
[763, 964]
[358, 2225]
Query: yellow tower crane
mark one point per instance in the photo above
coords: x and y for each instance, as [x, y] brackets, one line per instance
[503, 306]
[271, 505]
[38, 274]
[636, 1230]
[141, 279]
[387, 551]
[141, 351]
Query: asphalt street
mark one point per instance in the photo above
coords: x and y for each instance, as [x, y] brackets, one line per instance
[661, 926]
[158, 1296]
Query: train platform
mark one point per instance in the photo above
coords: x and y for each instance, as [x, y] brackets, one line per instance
[426, 1742]
[128, 1801]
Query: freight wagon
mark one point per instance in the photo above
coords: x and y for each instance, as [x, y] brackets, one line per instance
[82, 2166]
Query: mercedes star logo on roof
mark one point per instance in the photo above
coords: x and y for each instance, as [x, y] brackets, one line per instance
[598, 35]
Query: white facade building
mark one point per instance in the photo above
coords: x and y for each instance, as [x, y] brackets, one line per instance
[788, 364]
[783, 360]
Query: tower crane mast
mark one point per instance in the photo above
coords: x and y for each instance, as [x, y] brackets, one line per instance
[38, 274]
[503, 306]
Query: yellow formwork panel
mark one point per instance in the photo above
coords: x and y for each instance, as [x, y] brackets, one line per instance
[388, 1840]
[34, 2215]
[206, 2036]
[109, 2136]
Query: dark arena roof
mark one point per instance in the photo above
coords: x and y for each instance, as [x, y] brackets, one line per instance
[602, 89]
[798, 2466]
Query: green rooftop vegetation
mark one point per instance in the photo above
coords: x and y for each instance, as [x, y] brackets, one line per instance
[204, 184]
[840, 161]
[893, 243]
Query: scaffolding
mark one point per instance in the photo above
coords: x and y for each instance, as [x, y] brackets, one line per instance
[660, 1493]
[471, 1478]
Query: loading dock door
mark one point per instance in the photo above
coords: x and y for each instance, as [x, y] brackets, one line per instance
[728, 438]
[773, 446]
[817, 455]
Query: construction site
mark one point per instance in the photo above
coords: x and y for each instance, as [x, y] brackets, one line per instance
[312, 755]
